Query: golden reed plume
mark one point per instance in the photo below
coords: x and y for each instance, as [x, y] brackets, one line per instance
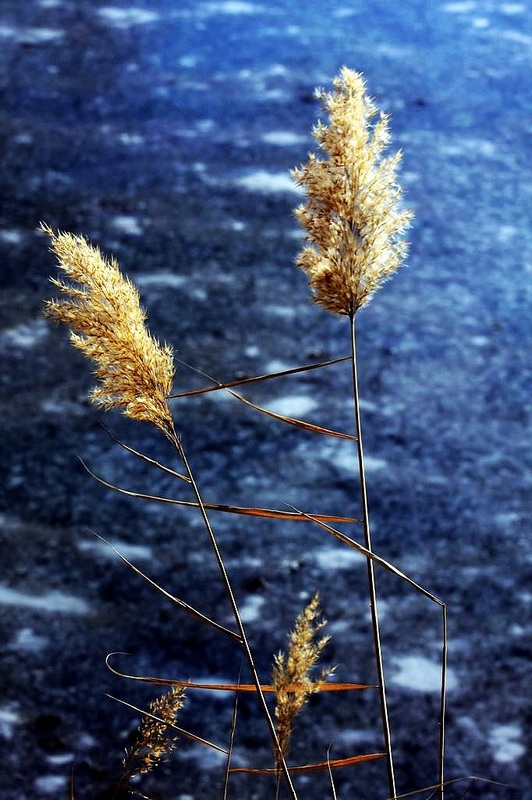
[292, 673]
[107, 323]
[154, 739]
[353, 222]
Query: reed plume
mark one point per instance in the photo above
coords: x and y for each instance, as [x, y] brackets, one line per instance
[292, 673]
[107, 323]
[353, 222]
[354, 241]
[154, 740]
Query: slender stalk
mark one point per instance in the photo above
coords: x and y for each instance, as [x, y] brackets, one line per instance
[175, 439]
[372, 587]
[443, 696]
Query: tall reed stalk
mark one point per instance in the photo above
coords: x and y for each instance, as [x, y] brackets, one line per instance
[372, 581]
[354, 232]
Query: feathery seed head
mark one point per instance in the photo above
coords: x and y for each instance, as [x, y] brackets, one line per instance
[107, 323]
[154, 737]
[354, 226]
[293, 673]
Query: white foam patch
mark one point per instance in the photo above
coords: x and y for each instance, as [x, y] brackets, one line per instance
[343, 12]
[505, 743]
[294, 405]
[29, 642]
[237, 225]
[23, 138]
[133, 552]
[516, 36]
[343, 455]
[480, 341]
[333, 559]
[126, 17]
[374, 464]
[56, 406]
[265, 182]
[276, 365]
[58, 759]
[419, 674]
[130, 139]
[204, 125]
[474, 146]
[8, 720]
[512, 8]
[42, 35]
[392, 51]
[30, 35]
[51, 602]
[250, 610]
[11, 236]
[459, 8]
[160, 280]
[206, 758]
[51, 784]
[127, 223]
[505, 233]
[354, 737]
[287, 312]
[25, 335]
[8, 32]
[188, 62]
[220, 396]
[231, 7]
[283, 138]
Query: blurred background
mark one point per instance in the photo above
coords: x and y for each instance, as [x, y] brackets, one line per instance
[165, 132]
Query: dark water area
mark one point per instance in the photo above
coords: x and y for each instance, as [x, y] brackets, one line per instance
[165, 133]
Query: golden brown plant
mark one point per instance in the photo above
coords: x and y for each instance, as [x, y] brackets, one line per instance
[292, 673]
[154, 737]
[107, 323]
[353, 222]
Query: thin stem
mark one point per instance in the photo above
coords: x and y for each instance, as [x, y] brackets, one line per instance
[175, 439]
[443, 695]
[372, 587]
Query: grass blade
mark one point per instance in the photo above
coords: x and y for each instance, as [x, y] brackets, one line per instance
[255, 511]
[267, 688]
[144, 457]
[181, 603]
[186, 734]
[308, 426]
[255, 379]
[318, 767]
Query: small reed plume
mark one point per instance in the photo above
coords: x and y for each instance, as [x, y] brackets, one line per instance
[292, 673]
[352, 217]
[154, 740]
[107, 323]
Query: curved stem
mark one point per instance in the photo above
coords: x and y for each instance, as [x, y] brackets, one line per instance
[176, 441]
[372, 587]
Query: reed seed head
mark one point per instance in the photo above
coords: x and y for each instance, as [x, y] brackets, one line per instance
[107, 323]
[293, 672]
[352, 216]
[155, 739]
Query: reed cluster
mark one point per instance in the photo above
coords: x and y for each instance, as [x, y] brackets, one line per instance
[354, 239]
